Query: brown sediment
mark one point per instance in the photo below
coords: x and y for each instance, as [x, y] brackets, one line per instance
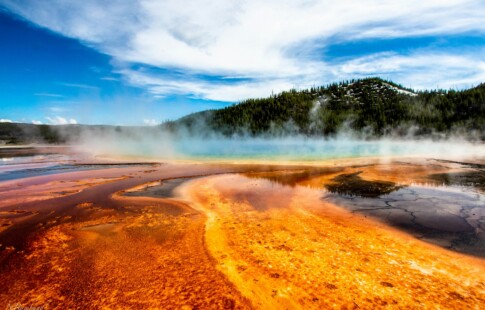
[227, 242]
[150, 259]
[97, 249]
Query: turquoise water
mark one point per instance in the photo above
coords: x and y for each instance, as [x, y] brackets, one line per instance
[315, 149]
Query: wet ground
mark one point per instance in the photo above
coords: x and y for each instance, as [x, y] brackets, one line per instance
[440, 208]
[450, 217]
[284, 247]
[360, 234]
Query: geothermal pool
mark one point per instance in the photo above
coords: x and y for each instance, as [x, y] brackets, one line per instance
[361, 232]
[293, 149]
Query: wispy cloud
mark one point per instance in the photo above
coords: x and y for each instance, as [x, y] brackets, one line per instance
[83, 86]
[109, 78]
[48, 95]
[36, 122]
[59, 120]
[273, 45]
[57, 109]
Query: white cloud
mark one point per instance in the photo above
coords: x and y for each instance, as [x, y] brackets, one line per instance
[205, 89]
[59, 120]
[4, 120]
[420, 70]
[275, 44]
[35, 122]
[151, 122]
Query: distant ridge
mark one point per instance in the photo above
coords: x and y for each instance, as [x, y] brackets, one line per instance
[370, 107]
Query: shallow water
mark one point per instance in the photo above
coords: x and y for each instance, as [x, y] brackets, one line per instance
[159, 189]
[42, 169]
[28, 155]
[5, 162]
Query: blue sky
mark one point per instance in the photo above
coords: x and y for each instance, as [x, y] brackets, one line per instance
[143, 62]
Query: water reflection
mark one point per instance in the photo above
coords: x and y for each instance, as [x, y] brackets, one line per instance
[352, 184]
[475, 178]
[158, 189]
[295, 177]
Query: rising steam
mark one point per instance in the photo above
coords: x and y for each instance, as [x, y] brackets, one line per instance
[155, 143]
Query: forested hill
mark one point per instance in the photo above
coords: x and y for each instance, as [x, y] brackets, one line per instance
[370, 106]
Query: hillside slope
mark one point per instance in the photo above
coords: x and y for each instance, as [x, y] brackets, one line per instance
[372, 106]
